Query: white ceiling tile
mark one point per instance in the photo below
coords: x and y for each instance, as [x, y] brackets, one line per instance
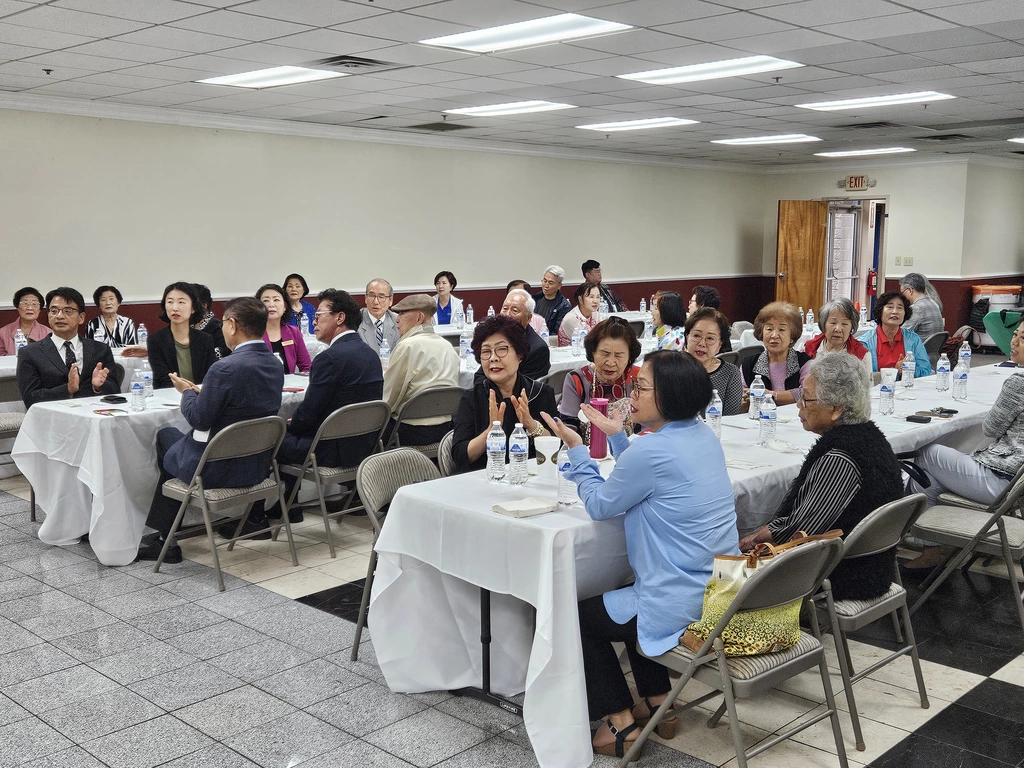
[632, 41]
[123, 79]
[617, 65]
[481, 13]
[181, 77]
[212, 65]
[422, 75]
[412, 54]
[697, 53]
[78, 88]
[548, 76]
[928, 41]
[38, 38]
[982, 12]
[45, 17]
[402, 27]
[316, 13]
[329, 42]
[998, 66]
[151, 11]
[7, 7]
[651, 13]
[812, 13]
[118, 49]
[269, 54]
[77, 60]
[34, 69]
[150, 98]
[174, 39]
[887, 26]
[786, 42]
[19, 82]
[484, 66]
[556, 55]
[727, 26]
[8, 52]
[992, 51]
[240, 25]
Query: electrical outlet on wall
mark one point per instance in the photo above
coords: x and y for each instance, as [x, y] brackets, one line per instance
[908, 261]
[899, 261]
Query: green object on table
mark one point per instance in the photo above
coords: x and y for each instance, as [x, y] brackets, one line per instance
[1000, 326]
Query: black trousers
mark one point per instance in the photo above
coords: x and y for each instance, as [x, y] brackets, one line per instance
[607, 691]
[163, 510]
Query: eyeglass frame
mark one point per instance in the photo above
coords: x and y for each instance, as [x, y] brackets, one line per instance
[637, 390]
[54, 311]
[492, 353]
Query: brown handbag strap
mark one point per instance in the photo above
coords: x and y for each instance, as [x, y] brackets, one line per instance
[803, 538]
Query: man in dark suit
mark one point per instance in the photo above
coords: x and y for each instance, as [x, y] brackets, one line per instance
[347, 372]
[247, 384]
[519, 306]
[54, 368]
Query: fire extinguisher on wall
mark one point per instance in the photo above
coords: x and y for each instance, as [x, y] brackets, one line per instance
[872, 282]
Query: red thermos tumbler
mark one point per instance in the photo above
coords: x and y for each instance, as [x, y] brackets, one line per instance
[598, 439]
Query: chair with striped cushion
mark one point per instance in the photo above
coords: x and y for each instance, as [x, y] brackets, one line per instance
[790, 576]
[880, 531]
[445, 460]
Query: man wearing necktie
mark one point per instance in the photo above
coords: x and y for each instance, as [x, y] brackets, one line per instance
[65, 365]
[378, 320]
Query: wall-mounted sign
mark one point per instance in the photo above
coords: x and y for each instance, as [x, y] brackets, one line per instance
[856, 183]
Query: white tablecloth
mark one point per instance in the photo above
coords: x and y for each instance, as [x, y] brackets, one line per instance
[440, 540]
[96, 474]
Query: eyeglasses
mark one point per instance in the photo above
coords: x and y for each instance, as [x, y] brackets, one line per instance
[637, 389]
[66, 311]
[316, 315]
[28, 304]
[498, 352]
[708, 340]
[376, 297]
[803, 401]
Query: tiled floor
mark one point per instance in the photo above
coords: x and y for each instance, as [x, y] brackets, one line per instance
[122, 667]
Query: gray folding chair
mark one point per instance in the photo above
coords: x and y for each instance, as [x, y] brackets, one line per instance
[879, 532]
[729, 357]
[973, 529]
[638, 327]
[445, 460]
[933, 346]
[792, 575]
[555, 380]
[753, 350]
[119, 374]
[10, 425]
[739, 327]
[244, 438]
[436, 401]
[378, 479]
[356, 420]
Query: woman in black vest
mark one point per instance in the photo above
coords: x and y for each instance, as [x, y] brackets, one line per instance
[849, 473]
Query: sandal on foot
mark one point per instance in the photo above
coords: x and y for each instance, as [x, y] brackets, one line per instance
[620, 746]
[666, 728]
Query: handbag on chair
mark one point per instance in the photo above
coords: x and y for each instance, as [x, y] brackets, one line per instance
[766, 630]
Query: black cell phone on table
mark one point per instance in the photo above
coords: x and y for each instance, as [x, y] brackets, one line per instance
[917, 418]
[114, 399]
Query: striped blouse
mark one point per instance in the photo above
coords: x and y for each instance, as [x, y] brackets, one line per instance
[123, 336]
[829, 488]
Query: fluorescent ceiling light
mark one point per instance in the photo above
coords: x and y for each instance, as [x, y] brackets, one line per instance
[878, 101]
[1017, 141]
[513, 108]
[636, 125]
[565, 26]
[269, 78]
[712, 70]
[784, 138]
[859, 152]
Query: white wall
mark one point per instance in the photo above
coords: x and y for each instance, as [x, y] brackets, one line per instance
[86, 201]
[993, 222]
[925, 206]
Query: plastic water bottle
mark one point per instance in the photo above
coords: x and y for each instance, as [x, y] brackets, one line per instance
[465, 342]
[965, 353]
[603, 307]
[757, 390]
[385, 355]
[810, 320]
[459, 320]
[567, 496]
[469, 314]
[19, 339]
[544, 335]
[146, 374]
[648, 328]
[960, 380]
[518, 454]
[769, 416]
[802, 313]
[137, 393]
[909, 366]
[942, 374]
[863, 315]
[887, 397]
[643, 306]
[490, 311]
[496, 452]
[142, 334]
[577, 343]
[713, 415]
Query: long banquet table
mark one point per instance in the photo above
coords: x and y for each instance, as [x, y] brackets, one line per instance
[95, 474]
[441, 542]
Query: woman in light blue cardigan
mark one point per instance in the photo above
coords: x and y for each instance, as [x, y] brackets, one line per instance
[673, 494]
[889, 343]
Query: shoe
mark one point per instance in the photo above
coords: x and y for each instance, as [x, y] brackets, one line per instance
[151, 546]
[294, 516]
[227, 530]
[620, 746]
[666, 728]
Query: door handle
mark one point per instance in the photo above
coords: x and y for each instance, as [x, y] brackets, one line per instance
[782, 275]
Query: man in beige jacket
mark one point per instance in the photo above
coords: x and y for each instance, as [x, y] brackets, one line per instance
[421, 360]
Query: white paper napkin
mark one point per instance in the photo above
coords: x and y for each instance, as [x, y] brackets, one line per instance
[527, 507]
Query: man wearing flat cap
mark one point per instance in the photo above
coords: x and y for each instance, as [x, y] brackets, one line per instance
[421, 360]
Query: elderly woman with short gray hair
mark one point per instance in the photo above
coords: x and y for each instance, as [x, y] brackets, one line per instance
[838, 320]
[850, 472]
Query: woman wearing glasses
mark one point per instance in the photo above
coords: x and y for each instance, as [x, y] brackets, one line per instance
[503, 394]
[29, 303]
[673, 492]
[705, 330]
[848, 474]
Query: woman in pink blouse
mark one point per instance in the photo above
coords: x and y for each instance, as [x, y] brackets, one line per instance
[29, 303]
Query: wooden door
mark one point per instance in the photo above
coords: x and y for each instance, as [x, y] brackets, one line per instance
[800, 254]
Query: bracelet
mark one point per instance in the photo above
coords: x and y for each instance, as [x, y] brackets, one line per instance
[538, 431]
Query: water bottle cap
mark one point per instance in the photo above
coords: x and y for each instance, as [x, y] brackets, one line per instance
[496, 424]
[518, 425]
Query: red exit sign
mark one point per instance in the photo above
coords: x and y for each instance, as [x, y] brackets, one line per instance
[856, 183]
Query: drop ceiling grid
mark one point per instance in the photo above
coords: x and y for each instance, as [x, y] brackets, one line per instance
[152, 53]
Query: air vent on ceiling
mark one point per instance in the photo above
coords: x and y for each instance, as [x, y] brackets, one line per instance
[354, 65]
[948, 138]
[879, 126]
[1017, 151]
[439, 127]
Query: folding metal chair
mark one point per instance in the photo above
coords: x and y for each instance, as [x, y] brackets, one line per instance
[10, 425]
[879, 532]
[933, 346]
[436, 401]
[378, 479]
[752, 350]
[356, 420]
[792, 575]
[729, 357]
[975, 529]
[555, 380]
[445, 460]
[244, 438]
